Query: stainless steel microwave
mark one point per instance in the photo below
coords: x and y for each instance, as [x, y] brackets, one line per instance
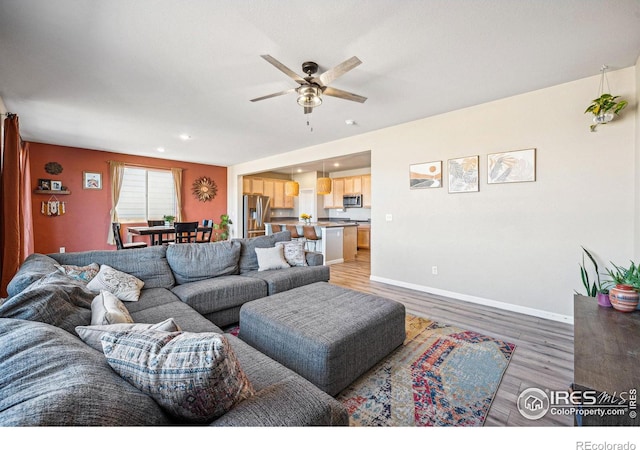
[352, 201]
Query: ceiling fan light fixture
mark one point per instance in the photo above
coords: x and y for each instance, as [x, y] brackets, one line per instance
[309, 96]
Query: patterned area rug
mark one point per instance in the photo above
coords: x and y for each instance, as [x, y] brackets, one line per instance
[441, 376]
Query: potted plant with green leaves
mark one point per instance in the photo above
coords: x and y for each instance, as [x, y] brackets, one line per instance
[624, 286]
[168, 220]
[604, 109]
[222, 228]
[596, 288]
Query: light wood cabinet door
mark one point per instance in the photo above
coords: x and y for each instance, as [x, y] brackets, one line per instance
[257, 186]
[364, 237]
[278, 195]
[338, 192]
[353, 185]
[268, 190]
[246, 185]
[349, 243]
[366, 191]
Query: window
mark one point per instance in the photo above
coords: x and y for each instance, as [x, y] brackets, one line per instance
[146, 194]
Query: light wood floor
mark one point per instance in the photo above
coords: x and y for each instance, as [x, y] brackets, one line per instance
[544, 352]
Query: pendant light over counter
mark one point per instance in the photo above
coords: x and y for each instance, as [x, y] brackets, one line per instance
[292, 188]
[323, 185]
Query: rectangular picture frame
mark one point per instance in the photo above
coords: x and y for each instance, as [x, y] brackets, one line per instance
[44, 184]
[91, 180]
[463, 174]
[425, 175]
[517, 166]
[56, 185]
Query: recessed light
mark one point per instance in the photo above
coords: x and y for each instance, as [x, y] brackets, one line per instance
[160, 149]
[336, 164]
[299, 170]
[185, 137]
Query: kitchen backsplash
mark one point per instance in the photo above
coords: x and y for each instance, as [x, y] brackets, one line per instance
[351, 213]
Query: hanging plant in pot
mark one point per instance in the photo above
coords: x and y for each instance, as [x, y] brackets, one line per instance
[606, 106]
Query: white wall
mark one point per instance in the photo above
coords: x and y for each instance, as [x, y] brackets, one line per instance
[515, 246]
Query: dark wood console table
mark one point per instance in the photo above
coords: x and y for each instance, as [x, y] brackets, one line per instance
[606, 353]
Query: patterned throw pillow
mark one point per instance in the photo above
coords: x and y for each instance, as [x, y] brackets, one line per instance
[91, 334]
[80, 273]
[195, 377]
[293, 252]
[271, 258]
[124, 286]
[107, 309]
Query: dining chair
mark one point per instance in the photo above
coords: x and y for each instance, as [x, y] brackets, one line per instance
[158, 239]
[117, 236]
[186, 232]
[309, 234]
[204, 235]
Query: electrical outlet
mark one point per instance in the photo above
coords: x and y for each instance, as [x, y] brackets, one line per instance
[62, 249]
[434, 270]
[389, 217]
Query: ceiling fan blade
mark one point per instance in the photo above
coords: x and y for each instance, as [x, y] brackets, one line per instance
[278, 65]
[339, 70]
[288, 91]
[333, 92]
[308, 110]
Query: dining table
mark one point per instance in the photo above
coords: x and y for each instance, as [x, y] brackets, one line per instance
[157, 232]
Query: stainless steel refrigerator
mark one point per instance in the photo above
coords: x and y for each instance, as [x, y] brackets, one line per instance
[257, 211]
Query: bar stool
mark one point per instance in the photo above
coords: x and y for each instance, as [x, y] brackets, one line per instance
[294, 232]
[309, 234]
[276, 228]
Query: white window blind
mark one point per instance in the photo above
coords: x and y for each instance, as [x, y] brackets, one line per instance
[146, 194]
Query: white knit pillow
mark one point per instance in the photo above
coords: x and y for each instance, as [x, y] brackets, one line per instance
[124, 286]
[107, 309]
[271, 258]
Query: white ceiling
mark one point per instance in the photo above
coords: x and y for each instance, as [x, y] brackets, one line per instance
[130, 76]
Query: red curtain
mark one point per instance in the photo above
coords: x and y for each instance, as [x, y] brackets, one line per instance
[16, 224]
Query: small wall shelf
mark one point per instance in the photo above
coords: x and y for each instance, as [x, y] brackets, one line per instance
[49, 192]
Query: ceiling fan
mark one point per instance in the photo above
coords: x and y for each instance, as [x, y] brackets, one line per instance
[311, 87]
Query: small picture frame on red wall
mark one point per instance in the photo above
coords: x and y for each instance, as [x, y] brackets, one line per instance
[91, 180]
[44, 184]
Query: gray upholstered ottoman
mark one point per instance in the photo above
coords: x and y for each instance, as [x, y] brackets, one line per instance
[328, 334]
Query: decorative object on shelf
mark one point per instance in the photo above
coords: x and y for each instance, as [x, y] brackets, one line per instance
[168, 220]
[605, 107]
[204, 189]
[511, 167]
[53, 168]
[91, 180]
[306, 218]
[53, 207]
[463, 174]
[425, 175]
[292, 188]
[323, 184]
[597, 288]
[56, 185]
[44, 184]
[223, 227]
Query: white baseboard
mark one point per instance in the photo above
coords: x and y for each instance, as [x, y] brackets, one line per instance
[479, 300]
[334, 261]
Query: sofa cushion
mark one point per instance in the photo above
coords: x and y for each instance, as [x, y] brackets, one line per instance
[148, 264]
[80, 273]
[271, 258]
[195, 377]
[248, 259]
[51, 378]
[124, 286]
[293, 277]
[34, 267]
[293, 252]
[91, 335]
[107, 309]
[195, 262]
[55, 299]
[220, 293]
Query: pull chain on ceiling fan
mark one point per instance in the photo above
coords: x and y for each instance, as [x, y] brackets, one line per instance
[312, 88]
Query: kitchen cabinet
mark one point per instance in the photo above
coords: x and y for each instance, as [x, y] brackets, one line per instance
[366, 191]
[252, 186]
[349, 243]
[352, 185]
[269, 187]
[360, 184]
[364, 236]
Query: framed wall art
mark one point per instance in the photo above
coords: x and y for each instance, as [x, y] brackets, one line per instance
[91, 180]
[425, 175]
[463, 174]
[56, 185]
[511, 167]
[44, 184]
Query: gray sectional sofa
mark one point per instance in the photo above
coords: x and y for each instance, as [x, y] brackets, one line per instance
[49, 376]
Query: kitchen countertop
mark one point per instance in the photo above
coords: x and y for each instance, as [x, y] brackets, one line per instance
[315, 224]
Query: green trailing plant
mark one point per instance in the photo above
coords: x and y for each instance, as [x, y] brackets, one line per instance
[605, 104]
[223, 228]
[595, 287]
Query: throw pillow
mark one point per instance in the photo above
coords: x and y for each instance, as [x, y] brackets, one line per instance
[80, 273]
[107, 309]
[271, 258]
[124, 286]
[293, 252]
[195, 377]
[91, 334]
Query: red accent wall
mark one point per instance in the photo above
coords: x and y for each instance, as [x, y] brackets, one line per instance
[86, 222]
